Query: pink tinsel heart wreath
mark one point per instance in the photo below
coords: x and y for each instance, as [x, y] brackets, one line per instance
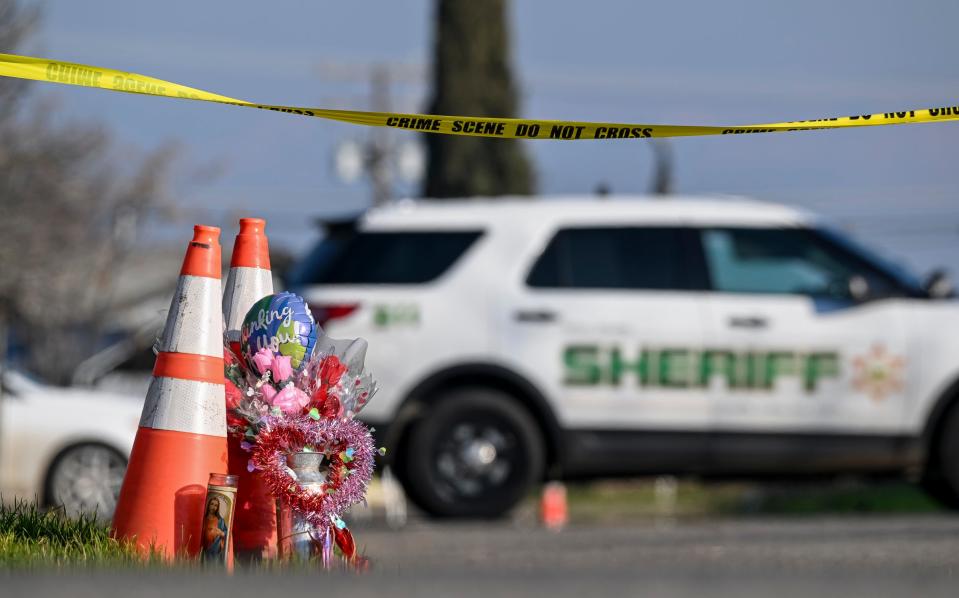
[349, 471]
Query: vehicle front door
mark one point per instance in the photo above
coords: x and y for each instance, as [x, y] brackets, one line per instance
[806, 351]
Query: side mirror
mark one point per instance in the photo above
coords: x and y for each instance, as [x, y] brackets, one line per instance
[859, 288]
[938, 285]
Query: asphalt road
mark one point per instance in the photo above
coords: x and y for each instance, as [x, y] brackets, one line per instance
[842, 556]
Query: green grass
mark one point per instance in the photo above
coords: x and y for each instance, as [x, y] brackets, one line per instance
[31, 537]
[641, 499]
[625, 500]
[888, 497]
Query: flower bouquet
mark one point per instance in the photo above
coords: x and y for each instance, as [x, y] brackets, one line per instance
[293, 397]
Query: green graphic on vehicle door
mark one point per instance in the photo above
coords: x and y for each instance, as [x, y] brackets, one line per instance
[592, 365]
[402, 314]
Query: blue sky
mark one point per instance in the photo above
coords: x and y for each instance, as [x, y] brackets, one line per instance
[678, 62]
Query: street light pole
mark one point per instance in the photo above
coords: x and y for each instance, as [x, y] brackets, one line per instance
[379, 150]
[378, 156]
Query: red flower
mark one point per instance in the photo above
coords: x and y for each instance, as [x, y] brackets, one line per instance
[331, 407]
[233, 397]
[328, 376]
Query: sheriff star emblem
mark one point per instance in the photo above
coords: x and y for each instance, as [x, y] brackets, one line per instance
[878, 373]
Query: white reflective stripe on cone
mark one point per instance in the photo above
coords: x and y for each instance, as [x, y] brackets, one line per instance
[185, 406]
[244, 287]
[193, 324]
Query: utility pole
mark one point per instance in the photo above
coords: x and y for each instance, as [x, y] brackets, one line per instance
[378, 150]
[662, 183]
[378, 157]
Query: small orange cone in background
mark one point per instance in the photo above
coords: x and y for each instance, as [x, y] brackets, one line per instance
[553, 510]
[182, 433]
[250, 279]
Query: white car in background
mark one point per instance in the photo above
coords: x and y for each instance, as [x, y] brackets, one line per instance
[62, 446]
[516, 340]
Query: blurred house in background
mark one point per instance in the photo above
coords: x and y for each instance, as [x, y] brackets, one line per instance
[139, 305]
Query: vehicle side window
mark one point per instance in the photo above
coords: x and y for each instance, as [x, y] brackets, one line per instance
[612, 258]
[401, 257]
[785, 261]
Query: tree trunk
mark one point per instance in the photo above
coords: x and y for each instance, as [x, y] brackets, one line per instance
[472, 77]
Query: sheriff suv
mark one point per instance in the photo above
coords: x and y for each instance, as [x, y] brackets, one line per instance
[520, 340]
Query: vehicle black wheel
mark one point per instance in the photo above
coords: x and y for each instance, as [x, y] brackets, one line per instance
[943, 484]
[474, 455]
[940, 491]
[86, 479]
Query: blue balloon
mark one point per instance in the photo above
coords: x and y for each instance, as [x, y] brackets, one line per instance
[281, 322]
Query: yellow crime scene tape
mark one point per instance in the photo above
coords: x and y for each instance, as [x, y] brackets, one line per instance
[69, 73]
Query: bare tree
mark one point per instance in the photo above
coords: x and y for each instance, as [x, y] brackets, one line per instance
[70, 208]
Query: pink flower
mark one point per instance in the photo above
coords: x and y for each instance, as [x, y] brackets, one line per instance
[301, 397]
[291, 400]
[268, 393]
[281, 368]
[263, 359]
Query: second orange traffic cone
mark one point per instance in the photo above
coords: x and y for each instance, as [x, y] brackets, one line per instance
[250, 279]
[182, 435]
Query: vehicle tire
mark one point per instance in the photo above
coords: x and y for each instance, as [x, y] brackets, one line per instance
[940, 491]
[943, 484]
[86, 479]
[474, 455]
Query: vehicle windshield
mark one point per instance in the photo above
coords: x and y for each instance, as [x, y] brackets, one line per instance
[897, 272]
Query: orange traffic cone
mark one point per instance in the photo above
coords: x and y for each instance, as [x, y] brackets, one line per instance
[250, 279]
[553, 511]
[182, 434]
